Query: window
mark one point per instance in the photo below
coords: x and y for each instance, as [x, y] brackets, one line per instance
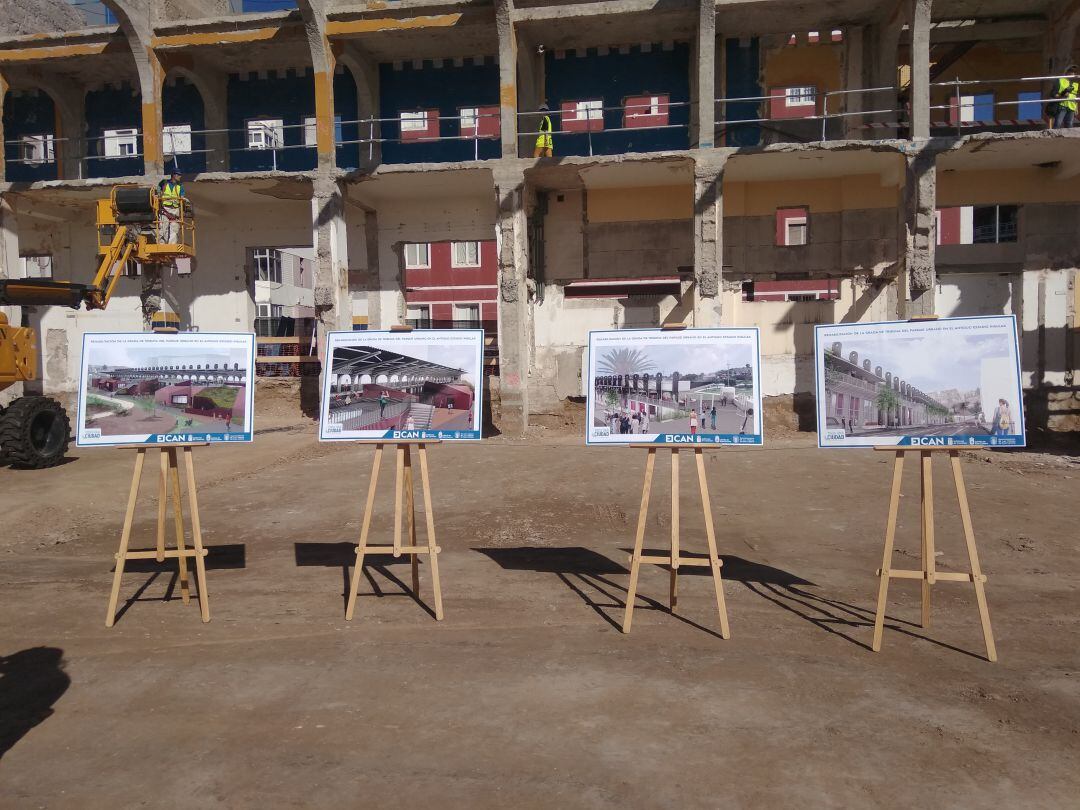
[804, 96]
[419, 125]
[177, 139]
[36, 266]
[418, 316]
[466, 254]
[992, 224]
[179, 399]
[792, 227]
[826, 289]
[479, 122]
[120, 143]
[417, 256]
[132, 269]
[645, 111]
[266, 133]
[973, 109]
[311, 127]
[267, 264]
[38, 148]
[270, 310]
[267, 319]
[582, 116]
[466, 316]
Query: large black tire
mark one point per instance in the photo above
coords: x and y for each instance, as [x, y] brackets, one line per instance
[34, 433]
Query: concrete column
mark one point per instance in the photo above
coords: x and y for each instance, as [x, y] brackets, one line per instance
[705, 95]
[1061, 38]
[920, 68]
[214, 91]
[514, 310]
[918, 230]
[323, 62]
[708, 238]
[508, 96]
[71, 125]
[333, 305]
[854, 55]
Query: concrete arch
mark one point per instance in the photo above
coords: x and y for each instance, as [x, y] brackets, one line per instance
[69, 105]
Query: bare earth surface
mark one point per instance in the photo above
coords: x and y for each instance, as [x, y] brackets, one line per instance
[527, 695]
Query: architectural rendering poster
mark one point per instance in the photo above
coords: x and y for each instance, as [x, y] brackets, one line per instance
[142, 388]
[915, 383]
[403, 385]
[688, 386]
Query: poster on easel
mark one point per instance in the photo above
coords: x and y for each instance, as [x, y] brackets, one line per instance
[945, 383]
[422, 385]
[145, 388]
[684, 386]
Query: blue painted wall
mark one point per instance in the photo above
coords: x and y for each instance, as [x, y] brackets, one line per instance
[112, 108]
[613, 77]
[181, 103]
[447, 89]
[743, 68]
[288, 95]
[28, 114]
[250, 6]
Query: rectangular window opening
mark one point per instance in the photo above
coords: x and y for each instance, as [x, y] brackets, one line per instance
[417, 256]
[466, 254]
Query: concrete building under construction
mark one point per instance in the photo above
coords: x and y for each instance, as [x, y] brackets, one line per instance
[763, 163]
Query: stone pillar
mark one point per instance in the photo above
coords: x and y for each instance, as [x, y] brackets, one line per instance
[508, 95]
[708, 238]
[920, 68]
[151, 84]
[514, 309]
[918, 234]
[214, 92]
[702, 135]
[333, 306]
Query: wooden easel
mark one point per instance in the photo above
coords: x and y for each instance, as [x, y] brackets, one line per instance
[675, 559]
[168, 490]
[929, 573]
[403, 481]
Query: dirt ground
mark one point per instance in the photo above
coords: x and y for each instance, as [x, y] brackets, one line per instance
[527, 695]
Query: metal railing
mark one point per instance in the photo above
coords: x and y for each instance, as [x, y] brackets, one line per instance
[960, 90]
[663, 109]
[823, 101]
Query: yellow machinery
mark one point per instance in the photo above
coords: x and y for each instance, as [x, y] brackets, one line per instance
[34, 430]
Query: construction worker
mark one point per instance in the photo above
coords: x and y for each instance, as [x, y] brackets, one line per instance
[173, 201]
[1067, 93]
[544, 145]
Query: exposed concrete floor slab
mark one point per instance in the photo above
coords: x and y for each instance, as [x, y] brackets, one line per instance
[527, 695]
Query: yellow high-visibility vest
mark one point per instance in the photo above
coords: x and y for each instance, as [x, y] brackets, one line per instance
[543, 141]
[171, 195]
[1069, 91]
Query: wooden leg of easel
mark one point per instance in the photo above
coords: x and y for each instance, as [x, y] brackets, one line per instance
[196, 535]
[639, 539]
[354, 584]
[433, 548]
[125, 536]
[410, 509]
[163, 503]
[973, 556]
[169, 457]
[928, 558]
[710, 535]
[673, 591]
[886, 562]
[399, 475]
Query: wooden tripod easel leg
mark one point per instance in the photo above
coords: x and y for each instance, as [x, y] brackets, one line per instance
[886, 562]
[929, 559]
[710, 534]
[399, 475]
[196, 536]
[361, 547]
[639, 539]
[168, 458]
[433, 548]
[410, 512]
[163, 504]
[125, 535]
[673, 590]
[977, 576]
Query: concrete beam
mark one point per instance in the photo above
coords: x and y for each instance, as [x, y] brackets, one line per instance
[918, 234]
[508, 94]
[920, 68]
[515, 328]
[708, 237]
[989, 31]
[706, 75]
